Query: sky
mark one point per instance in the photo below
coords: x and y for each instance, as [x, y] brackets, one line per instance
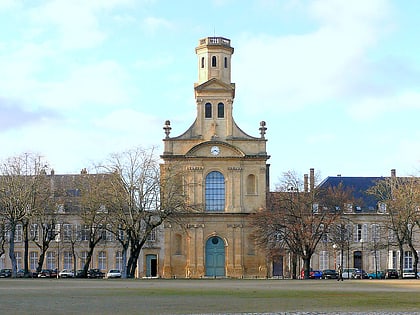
[337, 81]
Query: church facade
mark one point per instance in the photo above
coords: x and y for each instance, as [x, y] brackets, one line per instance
[225, 179]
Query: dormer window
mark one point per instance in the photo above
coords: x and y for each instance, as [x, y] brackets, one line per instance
[207, 110]
[220, 110]
[213, 61]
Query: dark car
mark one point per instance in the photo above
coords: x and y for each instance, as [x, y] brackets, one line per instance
[329, 274]
[95, 273]
[5, 273]
[391, 274]
[360, 274]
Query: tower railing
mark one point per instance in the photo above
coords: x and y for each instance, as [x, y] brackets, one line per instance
[215, 41]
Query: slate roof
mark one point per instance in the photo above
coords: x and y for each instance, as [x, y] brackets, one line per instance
[359, 187]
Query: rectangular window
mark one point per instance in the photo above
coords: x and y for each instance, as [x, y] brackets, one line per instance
[323, 260]
[85, 233]
[83, 258]
[119, 260]
[67, 232]
[18, 256]
[152, 236]
[33, 260]
[18, 233]
[33, 232]
[50, 260]
[102, 260]
[408, 260]
[68, 260]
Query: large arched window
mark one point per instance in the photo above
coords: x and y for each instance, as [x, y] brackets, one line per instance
[207, 110]
[220, 110]
[215, 191]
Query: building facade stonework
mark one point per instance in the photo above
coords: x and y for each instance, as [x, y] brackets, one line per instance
[225, 179]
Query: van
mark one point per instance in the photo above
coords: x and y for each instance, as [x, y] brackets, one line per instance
[348, 273]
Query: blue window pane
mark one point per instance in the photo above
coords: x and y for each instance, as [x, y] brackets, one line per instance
[215, 192]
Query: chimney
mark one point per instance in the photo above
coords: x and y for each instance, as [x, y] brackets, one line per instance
[393, 173]
[305, 183]
[312, 179]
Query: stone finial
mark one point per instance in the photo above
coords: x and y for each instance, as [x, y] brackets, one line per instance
[262, 129]
[167, 128]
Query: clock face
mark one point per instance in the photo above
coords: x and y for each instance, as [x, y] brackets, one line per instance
[215, 150]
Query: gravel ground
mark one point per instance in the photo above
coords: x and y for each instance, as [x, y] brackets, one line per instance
[205, 297]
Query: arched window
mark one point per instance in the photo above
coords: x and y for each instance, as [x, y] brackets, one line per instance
[250, 184]
[226, 65]
[220, 110]
[213, 61]
[207, 110]
[202, 62]
[215, 191]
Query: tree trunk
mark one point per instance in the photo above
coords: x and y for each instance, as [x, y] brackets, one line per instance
[12, 255]
[26, 250]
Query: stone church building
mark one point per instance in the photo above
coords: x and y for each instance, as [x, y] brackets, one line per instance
[225, 178]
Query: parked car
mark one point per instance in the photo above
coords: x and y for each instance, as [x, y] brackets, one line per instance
[313, 274]
[329, 274]
[21, 274]
[376, 275]
[5, 273]
[79, 273]
[66, 273]
[348, 273]
[95, 273]
[409, 274]
[360, 274]
[391, 274]
[47, 273]
[113, 273]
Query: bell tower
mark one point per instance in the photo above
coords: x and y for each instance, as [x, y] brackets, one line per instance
[214, 91]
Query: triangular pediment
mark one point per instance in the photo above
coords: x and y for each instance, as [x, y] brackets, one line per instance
[215, 85]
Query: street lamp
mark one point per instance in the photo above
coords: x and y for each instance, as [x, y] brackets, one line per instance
[335, 256]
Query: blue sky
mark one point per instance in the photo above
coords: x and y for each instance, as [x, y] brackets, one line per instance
[337, 81]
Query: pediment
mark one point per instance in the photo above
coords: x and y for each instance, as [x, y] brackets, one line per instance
[215, 85]
[215, 149]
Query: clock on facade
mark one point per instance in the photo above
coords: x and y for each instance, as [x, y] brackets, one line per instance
[215, 150]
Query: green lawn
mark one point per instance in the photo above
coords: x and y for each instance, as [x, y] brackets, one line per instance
[77, 296]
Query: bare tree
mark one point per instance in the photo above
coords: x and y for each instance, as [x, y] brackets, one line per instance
[298, 218]
[144, 196]
[400, 198]
[94, 195]
[23, 190]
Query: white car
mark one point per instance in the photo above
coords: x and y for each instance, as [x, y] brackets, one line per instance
[113, 273]
[408, 273]
[65, 273]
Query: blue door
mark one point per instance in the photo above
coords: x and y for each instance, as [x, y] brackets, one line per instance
[215, 257]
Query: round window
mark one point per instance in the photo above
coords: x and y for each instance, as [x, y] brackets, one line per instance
[215, 240]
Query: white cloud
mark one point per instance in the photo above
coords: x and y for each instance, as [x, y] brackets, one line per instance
[369, 108]
[300, 70]
[103, 84]
[153, 24]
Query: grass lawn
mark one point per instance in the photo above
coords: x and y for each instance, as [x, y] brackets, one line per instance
[80, 296]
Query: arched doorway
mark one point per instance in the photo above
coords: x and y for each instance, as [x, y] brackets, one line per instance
[215, 257]
[151, 266]
[278, 266]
